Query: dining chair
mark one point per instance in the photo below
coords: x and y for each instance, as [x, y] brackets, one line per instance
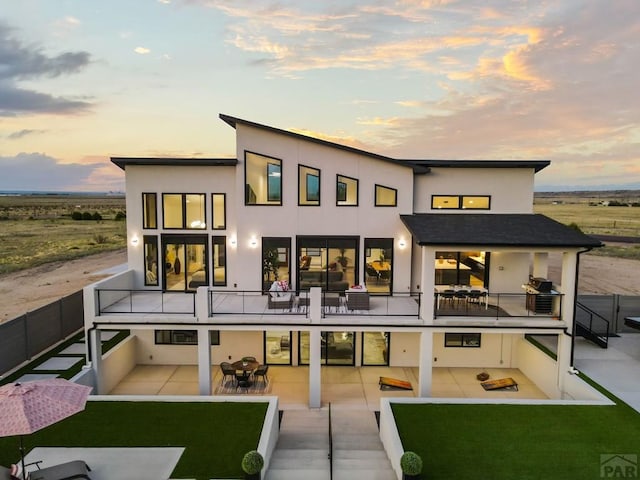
[261, 371]
[249, 359]
[227, 371]
[448, 295]
[474, 296]
[243, 381]
[461, 296]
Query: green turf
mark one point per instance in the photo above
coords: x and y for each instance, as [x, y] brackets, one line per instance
[505, 442]
[215, 435]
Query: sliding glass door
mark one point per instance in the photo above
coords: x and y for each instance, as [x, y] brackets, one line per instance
[185, 262]
[338, 348]
[327, 262]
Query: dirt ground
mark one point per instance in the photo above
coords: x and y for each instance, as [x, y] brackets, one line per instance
[30, 289]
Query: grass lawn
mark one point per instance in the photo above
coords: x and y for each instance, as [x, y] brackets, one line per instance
[505, 442]
[215, 435]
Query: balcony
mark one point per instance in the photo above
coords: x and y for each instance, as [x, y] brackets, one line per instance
[215, 306]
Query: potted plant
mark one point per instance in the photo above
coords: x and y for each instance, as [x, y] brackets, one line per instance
[252, 464]
[342, 259]
[411, 465]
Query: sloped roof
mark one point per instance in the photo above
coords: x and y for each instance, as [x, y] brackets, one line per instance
[233, 121]
[484, 229]
[122, 162]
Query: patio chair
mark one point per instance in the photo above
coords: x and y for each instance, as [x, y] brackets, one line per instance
[261, 371]
[65, 471]
[243, 381]
[284, 301]
[227, 371]
[358, 301]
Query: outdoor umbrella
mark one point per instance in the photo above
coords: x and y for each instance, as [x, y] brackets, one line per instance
[30, 406]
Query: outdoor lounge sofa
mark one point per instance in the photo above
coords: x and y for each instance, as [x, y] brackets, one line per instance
[65, 471]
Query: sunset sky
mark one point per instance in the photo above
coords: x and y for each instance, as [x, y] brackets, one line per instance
[81, 81]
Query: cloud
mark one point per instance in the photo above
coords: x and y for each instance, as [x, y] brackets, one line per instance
[37, 171]
[19, 62]
[24, 133]
[142, 50]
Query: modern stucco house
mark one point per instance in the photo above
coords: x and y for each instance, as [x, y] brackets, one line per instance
[393, 262]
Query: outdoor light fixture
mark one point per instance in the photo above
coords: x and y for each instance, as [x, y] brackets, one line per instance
[233, 241]
[253, 243]
[402, 243]
[135, 240]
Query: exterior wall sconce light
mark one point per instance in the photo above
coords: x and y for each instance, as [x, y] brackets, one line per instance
[233, 241]
[402, 243]
[135, 240]
[253, 242]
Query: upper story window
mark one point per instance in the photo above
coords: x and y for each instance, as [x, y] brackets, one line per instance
[346, 191]
[308, 185]
[184, 211]
[219, 211]
[263, 180]
[386, 196]
[149, 210]
[457, 202]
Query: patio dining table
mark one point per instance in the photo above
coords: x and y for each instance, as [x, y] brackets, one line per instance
[484, 292]
[245, 366]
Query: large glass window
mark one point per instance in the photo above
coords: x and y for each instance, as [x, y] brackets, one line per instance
[219, 260]
[184, 211]
[375, 348]
[183, 337]
[308, 185]
[386, 196]
[457, 202]
[462, 268]
[185, 262]
[346, 191]
[263, 180]
[327, 262]
[219, 211]
[151, 260]
[276, 260]
[149, 210]
[277, 347]
[378, 257]
[338, 348]
[469, 340]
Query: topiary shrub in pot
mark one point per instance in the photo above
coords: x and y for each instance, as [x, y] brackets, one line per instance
[411, 465]
[252, 464]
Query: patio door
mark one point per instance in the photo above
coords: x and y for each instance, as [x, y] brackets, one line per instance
[378, 258]
[338, 348]
[185, 262]
[327, 262]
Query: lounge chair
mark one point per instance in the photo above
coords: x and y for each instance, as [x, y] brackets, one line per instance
[8, 473]
[65, 471]
[282, 301]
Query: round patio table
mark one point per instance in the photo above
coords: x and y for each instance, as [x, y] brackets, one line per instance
[245, 366]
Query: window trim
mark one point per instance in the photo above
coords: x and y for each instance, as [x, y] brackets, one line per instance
[460, 202]
[375, 195]
[145, 211]
[246, 185]
[224, 212]
[463, 343]
[150, 240]
[346, 191]
[214, 337]
[184, 211]
[222, 240]
[304, 169]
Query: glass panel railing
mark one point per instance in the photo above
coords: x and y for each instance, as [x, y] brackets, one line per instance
[120, 301]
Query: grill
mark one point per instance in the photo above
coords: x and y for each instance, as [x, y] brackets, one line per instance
[540, 284]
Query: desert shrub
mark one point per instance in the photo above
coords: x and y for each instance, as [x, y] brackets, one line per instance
[121, 216]
[76, 216]
[100, 239]
[96, 216]
[87, 216]
[575, 226]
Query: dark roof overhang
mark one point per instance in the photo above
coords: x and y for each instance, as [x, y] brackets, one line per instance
[537, 165]
[122, 162]
[495, 230]
[233, 121]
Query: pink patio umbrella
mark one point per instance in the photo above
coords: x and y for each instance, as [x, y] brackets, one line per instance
[30, 406]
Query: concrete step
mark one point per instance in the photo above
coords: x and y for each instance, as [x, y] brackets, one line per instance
[300, 474]
[295, 458]
[303, 441]
[359, 454]
[373, 463]
[357, 442]
[367, 474]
